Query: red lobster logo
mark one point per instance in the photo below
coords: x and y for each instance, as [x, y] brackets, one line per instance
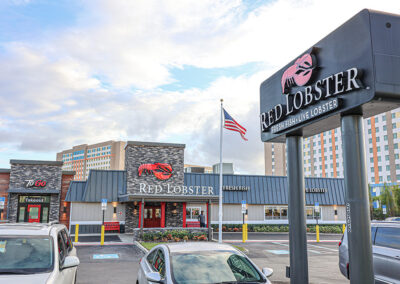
[160, 171]
[299, 73]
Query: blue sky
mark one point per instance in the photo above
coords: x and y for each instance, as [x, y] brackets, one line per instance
[74, 72]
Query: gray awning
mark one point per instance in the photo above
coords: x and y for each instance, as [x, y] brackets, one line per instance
[35, 191]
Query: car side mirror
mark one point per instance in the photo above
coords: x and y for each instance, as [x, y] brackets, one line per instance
[154, 277]
[70, 261]
[267, 271]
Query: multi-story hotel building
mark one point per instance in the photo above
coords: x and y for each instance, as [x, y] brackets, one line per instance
[109, 155]
[323, 152]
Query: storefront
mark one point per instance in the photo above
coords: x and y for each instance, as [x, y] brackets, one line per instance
[154, 192]
[35, 192]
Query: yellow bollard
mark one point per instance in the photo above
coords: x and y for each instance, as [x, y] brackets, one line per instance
[243, 233]
[102, 235]
[317, 230]
[76, 232]
[344, 228]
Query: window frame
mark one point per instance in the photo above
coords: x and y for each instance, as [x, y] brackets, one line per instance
[189, 217]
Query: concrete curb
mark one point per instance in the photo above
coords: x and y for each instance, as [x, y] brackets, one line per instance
[142, 248]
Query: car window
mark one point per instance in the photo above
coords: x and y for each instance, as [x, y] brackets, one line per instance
[67, 240]
[61, 248]
[212, 267]
[373, 231]
[159, 262]
[150, 257]
[26, 254]
[388, 237]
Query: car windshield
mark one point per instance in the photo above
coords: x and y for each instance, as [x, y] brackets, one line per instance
[25, 254]
[213, 267]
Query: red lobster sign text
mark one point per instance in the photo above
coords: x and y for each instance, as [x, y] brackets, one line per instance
[159, 170]
[299, 73]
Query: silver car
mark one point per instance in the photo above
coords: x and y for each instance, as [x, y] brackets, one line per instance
[386, 252]
[37, 253]
[197, 262]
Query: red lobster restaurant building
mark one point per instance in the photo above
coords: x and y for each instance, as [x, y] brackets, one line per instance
[154, 192]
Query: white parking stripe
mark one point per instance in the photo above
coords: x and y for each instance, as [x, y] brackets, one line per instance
[335, 250]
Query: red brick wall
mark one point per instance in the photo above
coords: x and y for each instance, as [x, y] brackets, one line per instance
[4, 184]
[64, 217]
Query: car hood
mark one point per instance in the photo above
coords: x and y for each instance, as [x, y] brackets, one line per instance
[38, 278]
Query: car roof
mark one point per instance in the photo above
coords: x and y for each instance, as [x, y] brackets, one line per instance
[198, 246]
[28, 229]
[385, 223]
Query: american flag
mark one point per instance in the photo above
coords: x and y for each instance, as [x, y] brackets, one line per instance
[231, 124]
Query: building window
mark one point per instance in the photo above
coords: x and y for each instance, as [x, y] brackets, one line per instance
[388, 178]
[377, 139]
[388, 168]
[275, 212]
[192, 213]
[311, 213]
[394, 135]
[386, 148]
[385, 137]
[383, 118]
[384, 127]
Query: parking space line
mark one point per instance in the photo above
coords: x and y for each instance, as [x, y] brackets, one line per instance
[335, 250]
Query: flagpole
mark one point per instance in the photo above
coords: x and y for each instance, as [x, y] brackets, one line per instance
[220, 179]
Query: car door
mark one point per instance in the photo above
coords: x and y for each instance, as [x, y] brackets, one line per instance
[387, 255]
[66, 275]
[145, 266]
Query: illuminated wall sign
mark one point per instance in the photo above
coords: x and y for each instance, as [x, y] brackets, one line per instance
[350, 71]
[35, 183]
[161, 171]
[175, 189]
[316, 190]
[34, 199]
[235, 188]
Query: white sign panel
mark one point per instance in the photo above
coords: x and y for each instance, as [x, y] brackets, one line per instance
[2, 201]
[104, 204]
[317, 206]
[384, 209]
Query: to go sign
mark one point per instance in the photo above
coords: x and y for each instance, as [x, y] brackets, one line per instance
[35, 183]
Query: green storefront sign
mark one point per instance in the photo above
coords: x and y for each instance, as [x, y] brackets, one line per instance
[34, 199]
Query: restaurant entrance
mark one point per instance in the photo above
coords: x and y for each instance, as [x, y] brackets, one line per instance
[33, 209]
[152, 216]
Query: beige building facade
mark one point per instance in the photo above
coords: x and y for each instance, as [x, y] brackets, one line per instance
[108, 155]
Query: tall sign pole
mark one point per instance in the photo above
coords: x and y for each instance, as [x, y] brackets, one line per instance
[357, 200]
[220, 180]
[297, 218]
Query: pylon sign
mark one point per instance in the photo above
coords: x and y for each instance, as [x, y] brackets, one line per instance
[353, 67]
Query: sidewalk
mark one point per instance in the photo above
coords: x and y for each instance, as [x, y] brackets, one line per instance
[125, 239]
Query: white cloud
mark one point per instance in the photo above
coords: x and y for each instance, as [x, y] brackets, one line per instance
[100, 79]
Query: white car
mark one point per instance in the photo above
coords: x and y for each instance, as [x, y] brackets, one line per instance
[37, 253]
[199, 262]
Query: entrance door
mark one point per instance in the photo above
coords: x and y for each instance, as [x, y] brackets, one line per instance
[152, 217]
[34, 213]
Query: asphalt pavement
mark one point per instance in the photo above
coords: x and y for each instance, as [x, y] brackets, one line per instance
[115, 263]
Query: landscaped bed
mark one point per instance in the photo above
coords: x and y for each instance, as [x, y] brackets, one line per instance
[336, 228]
[174, 236]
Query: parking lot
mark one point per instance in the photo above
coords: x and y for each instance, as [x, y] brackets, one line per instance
[119, 263]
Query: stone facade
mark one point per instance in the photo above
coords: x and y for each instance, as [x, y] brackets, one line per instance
[12, 208]
[22, 172]
[137, 155]
[171, 219]
[131, 220]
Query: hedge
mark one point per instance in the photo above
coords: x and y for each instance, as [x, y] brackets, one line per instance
[174, 235]
[336, 228]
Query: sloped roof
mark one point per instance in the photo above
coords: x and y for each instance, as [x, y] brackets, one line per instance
[269, 189]
[101, 184]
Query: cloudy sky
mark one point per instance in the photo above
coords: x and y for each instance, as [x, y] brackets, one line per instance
[74, 72]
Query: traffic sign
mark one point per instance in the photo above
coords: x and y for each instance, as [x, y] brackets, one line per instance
[317, 206]
[2, 201]
[104, 204]
[243, 206]
[384, 209]
[376, 204]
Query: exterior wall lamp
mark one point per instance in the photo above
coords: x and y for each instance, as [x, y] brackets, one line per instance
[65, 209]
[335, 212]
